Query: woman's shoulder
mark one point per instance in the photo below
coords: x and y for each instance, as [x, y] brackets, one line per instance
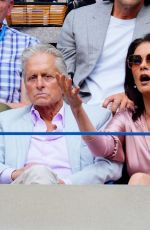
[124, 116]
[121, 121]
[126, 113]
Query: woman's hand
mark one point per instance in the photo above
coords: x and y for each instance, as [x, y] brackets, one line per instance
[70, 93]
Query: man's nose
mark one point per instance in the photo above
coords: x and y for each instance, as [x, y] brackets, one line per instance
[40, 83]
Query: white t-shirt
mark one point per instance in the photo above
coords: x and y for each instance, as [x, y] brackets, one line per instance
[108, 76]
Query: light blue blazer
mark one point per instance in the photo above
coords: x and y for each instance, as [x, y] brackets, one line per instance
[86, 168]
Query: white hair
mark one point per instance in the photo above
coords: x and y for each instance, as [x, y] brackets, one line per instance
[44, 48]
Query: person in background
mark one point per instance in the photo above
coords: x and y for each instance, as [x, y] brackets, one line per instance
[94, 40]
[46, 159]
[137, 88]
[12, 44]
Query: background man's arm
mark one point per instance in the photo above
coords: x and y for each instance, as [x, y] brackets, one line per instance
[117, 102]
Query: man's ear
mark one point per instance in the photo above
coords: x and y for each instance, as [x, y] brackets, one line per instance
[11, 4]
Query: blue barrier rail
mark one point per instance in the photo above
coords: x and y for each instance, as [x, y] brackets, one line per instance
[78, 133]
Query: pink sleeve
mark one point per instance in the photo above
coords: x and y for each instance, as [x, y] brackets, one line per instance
[110, 146]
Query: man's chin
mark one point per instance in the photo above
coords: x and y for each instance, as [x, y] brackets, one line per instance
[41, 103]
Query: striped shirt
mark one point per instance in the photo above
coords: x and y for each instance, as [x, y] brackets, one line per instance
[12, 44]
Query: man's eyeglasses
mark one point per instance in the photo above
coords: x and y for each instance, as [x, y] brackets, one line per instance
[136, 60]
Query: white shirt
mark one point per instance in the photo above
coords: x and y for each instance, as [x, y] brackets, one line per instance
[108, 75]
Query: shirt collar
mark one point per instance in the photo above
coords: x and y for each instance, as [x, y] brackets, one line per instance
[35, 116]
[3, 25]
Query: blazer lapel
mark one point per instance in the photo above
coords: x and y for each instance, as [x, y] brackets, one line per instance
[23, 141]
[98, 21]
[73, 142]
[142, 21]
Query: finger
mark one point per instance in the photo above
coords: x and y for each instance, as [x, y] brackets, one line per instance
[76, 91]
[123, 104]
[62, 83]
[130, 105]
[68, 83]
[115, 106]
[107, 101]
[58, 78]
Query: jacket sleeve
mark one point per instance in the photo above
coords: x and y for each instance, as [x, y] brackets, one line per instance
[99, 172]
[109, 146]
[5, 170]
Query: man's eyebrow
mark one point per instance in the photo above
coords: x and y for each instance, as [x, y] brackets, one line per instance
[49, 74]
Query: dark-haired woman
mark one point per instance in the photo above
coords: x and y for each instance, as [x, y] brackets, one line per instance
[137, 87]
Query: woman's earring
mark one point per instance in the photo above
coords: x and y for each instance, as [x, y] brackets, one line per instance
[134, 86]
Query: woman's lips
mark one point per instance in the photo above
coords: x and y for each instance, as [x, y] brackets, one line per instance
[144, 78]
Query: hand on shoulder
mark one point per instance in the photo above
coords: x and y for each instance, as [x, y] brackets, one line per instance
[117, 102]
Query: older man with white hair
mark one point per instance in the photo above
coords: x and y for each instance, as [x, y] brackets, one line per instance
[49, 159]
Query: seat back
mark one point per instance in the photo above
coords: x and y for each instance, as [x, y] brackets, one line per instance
[4, 107]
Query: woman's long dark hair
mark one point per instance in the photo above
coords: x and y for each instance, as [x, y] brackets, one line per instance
[129, 84]
[146, 2]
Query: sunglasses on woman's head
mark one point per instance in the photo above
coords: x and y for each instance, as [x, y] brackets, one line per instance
[136, 60]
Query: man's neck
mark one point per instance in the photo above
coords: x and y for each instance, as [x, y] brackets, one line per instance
[47, 113]
[126, 11]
